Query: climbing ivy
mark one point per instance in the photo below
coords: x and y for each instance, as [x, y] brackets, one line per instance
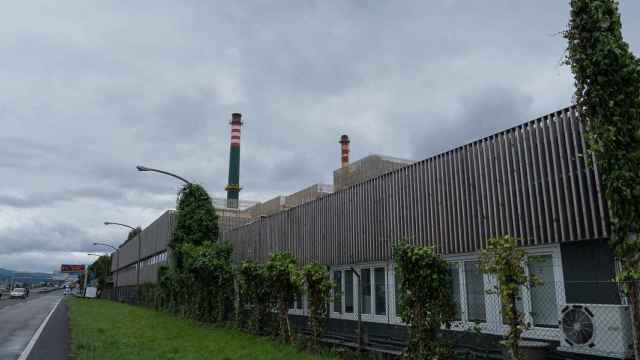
[607, 79]
[426, 299]
[210, 267]
[196, 221]
[199, 282]
[255, 296]
[286, 281]
[505, 259]
[319, 287]
[134, 232]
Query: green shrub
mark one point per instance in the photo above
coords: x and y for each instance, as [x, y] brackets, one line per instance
[319, 287]
[255, 297]
[426, 300]
[286, 281]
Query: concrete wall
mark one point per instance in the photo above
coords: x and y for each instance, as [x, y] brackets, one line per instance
[267, 208]
[231, 218]
[313, 192]
[365, 169]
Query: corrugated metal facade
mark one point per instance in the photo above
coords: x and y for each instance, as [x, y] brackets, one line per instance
[155, 239]
[531, 181]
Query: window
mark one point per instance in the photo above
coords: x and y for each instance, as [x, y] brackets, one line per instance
[455, 289]
[475, 292]
[366, 291]
[348, 291]
[296, 304]
[544, 307]
[299, 301]
[337, 294]
[380, 291]
[396, 281]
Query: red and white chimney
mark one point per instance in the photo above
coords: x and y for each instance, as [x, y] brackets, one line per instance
[344, 147]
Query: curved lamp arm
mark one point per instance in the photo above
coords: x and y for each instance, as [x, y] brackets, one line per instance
[144, 168]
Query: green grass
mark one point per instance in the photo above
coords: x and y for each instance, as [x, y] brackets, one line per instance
[102, 329]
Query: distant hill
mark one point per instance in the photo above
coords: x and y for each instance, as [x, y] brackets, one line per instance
[5, 274]
[25, 277]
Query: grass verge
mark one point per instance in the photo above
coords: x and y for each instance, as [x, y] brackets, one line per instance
[102, 329]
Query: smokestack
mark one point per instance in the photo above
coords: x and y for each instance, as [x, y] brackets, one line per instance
[233, 187]
[344, 142]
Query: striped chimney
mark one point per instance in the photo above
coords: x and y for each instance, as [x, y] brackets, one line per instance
[344, 146]
[233, 188]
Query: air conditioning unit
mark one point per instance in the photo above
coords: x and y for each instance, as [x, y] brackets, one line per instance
[602, 330]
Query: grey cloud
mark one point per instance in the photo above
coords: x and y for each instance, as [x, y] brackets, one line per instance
[43, 236]
[89, 90]
[482, 113]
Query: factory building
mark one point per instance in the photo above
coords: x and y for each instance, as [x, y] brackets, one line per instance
[533, 181]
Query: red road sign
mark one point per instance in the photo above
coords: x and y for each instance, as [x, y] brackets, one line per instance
[71, 268]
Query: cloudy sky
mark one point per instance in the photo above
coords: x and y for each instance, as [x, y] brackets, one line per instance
[88, 90]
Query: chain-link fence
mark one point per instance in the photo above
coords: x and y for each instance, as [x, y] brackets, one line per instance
[586, 317]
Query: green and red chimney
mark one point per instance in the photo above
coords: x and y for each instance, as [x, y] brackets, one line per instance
[233, 187]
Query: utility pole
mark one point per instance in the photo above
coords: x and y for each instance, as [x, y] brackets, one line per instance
[86, 273]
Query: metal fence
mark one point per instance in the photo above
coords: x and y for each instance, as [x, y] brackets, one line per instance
[561, 330]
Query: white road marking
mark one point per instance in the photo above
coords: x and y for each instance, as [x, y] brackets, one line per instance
[36, 336]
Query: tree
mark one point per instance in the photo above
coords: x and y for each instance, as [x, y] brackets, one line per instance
[426, 299]
[607, 79]
[199, 281]
[101, 270]
[196, 221]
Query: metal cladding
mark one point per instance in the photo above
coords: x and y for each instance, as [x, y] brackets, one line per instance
[533, 181]
[344, 142]
[233, 187]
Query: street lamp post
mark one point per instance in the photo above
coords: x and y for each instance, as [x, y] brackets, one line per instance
[117, 263]
[144, 168]
[139, 249]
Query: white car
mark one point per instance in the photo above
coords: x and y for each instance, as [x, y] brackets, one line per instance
[19, 293]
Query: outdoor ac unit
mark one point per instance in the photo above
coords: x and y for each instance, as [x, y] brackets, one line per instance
[602, 330]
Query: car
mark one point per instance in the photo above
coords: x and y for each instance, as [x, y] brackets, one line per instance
[19, 293]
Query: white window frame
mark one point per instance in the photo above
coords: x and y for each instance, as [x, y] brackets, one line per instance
[343, 315]
[493, 306]
[546, 333]
[304, 309]
[373, 317]
[356, 293]
[394, 317]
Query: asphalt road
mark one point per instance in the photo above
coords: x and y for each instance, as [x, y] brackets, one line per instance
[20, 319]
[6, 301]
